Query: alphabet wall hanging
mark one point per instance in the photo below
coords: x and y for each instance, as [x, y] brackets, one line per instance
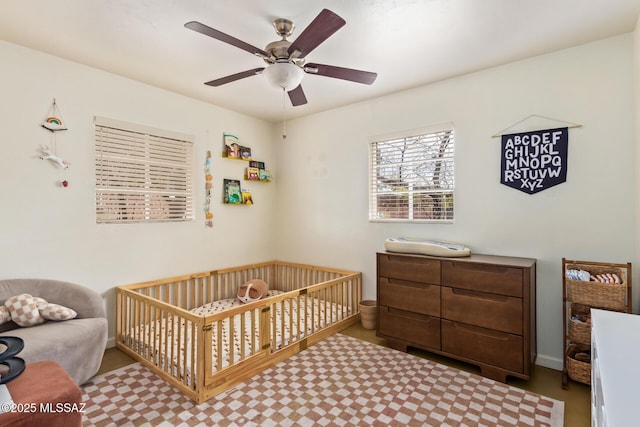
[54, 123]
[534, 160]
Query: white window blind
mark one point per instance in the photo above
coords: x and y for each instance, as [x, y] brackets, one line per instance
[142, 174]
[412, 177]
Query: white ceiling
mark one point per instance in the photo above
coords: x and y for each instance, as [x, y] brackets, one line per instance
[408, 43]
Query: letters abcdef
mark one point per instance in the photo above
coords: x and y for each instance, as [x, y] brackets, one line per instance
[534, 161]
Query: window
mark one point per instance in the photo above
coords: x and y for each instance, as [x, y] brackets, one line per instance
[412, 177]
[142, 174]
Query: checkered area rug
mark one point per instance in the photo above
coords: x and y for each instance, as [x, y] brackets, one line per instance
[340, 381]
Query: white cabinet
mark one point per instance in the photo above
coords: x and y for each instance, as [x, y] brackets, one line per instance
[615, 374]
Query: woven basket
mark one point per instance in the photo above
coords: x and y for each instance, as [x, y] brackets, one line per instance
[579, 332]
[595, 294]
[577, 370]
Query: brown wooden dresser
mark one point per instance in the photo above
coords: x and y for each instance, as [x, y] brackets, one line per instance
[479, 309]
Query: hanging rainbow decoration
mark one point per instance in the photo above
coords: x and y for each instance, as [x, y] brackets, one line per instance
[54, 121]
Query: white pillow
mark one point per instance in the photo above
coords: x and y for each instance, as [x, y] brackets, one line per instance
[24, 310]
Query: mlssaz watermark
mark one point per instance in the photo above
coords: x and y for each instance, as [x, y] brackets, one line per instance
[48, 407]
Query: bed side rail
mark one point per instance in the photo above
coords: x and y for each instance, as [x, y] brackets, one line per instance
[194, 290]
[298, 314]
[291, 276]
[165, 336]
[236, 335]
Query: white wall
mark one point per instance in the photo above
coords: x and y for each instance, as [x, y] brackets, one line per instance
[51, 232]
[323, 172]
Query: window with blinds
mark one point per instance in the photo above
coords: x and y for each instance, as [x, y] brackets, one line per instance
[142, 174]
[412, 177]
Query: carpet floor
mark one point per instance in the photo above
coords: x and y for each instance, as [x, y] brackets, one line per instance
[340, 381]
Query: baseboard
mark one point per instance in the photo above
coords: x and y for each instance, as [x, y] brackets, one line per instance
[111, 342]
[549, 362]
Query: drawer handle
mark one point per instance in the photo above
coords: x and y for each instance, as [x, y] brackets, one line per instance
[481, 331]
[405, 283]
[408, 314]
[404, 260]
[480, 295]
[480, 267]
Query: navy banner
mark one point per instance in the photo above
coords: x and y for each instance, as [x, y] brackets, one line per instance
[534, 161]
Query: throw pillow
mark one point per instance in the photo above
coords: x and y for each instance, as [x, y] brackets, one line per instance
[5, 316]
[51, 311]
[24, 310]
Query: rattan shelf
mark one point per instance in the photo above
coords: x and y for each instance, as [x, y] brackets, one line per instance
[579, 296]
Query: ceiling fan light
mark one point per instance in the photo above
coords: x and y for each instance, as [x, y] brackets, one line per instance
[283, 75]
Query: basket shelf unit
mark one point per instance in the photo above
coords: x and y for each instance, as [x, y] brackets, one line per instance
[579, 296]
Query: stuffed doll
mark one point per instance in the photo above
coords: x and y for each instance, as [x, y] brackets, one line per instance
[252, 290]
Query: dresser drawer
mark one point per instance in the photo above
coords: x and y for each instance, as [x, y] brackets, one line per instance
[415, 269]
[409, 296]
[482, 309]
[494, 279]
[483, 345]
[413, 328]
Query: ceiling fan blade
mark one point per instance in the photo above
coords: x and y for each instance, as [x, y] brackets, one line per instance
[297, 96]
[233, 77]
[219, 35]
[320, 29]
[358, 76]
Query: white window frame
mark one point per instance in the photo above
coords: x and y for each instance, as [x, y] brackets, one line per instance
[410, 166]
[143, 174]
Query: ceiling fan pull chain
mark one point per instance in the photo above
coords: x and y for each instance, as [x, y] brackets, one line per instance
[284, 120]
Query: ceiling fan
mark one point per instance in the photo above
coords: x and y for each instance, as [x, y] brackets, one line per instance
[286, 60]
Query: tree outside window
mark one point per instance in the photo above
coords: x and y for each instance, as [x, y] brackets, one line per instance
[412, 178]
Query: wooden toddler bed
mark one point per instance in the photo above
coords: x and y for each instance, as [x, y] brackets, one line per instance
[192, 330]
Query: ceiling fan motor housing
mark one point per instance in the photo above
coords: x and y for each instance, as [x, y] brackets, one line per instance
[278, 50]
